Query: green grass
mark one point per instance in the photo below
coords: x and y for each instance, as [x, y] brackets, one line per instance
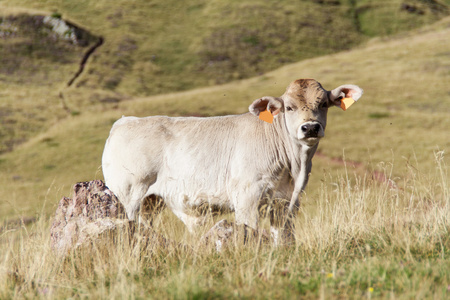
[156, 47]
[167, 46]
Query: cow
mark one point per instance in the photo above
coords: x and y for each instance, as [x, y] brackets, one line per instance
[233, 162]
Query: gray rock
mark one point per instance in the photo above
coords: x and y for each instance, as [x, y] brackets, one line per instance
[93, 211]
[94, 214]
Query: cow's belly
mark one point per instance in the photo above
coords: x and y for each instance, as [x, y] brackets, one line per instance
[195, 197]
[192, 197]
[195, 182]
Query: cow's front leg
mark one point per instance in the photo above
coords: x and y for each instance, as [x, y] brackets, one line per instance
[281, 223]
[299, 185]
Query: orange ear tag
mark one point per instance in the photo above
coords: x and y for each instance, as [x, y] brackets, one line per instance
[266, 116]
[346, 103]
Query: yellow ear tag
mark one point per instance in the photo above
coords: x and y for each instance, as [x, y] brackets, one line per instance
[266, 116]
[346, 103]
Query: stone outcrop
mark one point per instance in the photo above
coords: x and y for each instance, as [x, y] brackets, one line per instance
[95, 215]
[94, 210]
[219, 234]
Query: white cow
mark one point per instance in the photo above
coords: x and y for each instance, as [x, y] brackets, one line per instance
[228, 162]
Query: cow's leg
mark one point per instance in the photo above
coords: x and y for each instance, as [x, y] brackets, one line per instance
[246, 200]
[191, 222]
[150, 207]
[132, 200]
[180, 207]
[246, 211]
[130, 194]
[281, 223]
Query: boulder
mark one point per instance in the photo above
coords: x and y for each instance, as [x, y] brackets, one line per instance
[94, 214]
[92, 211]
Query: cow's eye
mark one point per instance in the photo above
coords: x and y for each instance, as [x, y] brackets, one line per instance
[289, 108]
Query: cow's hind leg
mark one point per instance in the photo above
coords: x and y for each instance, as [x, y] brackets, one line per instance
[133, 204]
[130, 196]
[192, 222]
[246, 201]
[150, 207]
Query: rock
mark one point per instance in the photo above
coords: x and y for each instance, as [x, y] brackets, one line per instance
[221, 233]
[94, 214]
[94, 210]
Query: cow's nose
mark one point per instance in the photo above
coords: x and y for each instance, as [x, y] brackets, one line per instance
[311, 129]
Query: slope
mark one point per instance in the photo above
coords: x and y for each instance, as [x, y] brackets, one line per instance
[154, 47]
[401, 121]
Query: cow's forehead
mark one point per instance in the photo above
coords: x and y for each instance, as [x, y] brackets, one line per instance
[305, 91]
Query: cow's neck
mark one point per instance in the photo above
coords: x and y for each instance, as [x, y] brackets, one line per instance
[281, 147]
[298, 157]
[296, 153]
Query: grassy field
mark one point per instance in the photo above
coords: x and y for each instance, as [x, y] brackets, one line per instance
[158, 47]
[373, 224]
[363, 240]
[167, 46]
[401, 119]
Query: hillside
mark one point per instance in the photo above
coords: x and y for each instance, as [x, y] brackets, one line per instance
[373, 223]
[167, 46]
[400, 124]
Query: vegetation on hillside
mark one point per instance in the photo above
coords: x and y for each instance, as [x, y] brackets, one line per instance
[374, 221]
[402, 118]
[166, 46]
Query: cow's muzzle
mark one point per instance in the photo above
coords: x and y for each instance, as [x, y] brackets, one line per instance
[311, 130]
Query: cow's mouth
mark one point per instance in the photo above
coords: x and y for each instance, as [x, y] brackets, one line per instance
[310, 141]
[313, 135]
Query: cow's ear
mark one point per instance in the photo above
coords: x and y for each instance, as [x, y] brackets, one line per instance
[344, 91]
[272, 104]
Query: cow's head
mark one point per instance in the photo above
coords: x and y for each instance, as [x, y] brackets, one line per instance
[305, 105]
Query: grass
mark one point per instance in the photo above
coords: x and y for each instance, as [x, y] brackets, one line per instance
[360, 240]
[374, 221]
[414, 94]
[167, 46]
[153, 48]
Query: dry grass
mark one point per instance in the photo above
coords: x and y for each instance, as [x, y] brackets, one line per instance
[356, 237]
[361, 239]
